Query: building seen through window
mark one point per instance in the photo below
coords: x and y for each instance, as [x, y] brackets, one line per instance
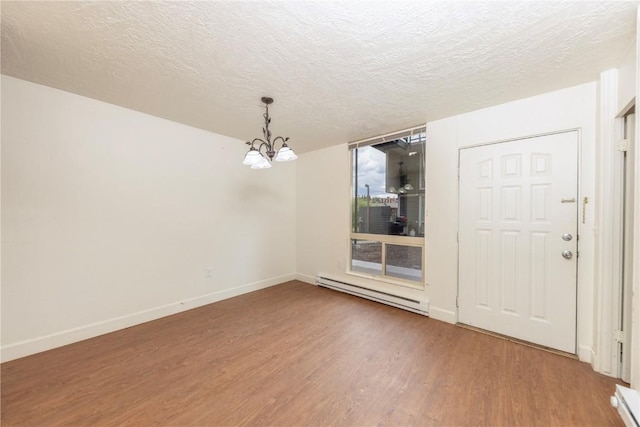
[389, 200]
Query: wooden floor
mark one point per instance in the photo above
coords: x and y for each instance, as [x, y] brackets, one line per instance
[295, 355]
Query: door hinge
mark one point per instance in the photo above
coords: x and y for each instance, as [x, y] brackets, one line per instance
[618, 336]
[457, 302]
[458, 237]
[623, 145]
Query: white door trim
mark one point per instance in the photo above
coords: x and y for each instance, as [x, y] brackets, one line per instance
[635, 319]
[627, 285]
[608, 228]
[520, 138]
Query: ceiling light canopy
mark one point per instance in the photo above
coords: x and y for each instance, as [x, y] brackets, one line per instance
[255, 156]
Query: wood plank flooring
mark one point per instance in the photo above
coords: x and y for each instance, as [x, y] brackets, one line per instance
[295, 355]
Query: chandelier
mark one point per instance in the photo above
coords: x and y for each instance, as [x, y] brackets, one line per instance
[255, 157]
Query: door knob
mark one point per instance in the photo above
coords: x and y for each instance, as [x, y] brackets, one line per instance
[566, 237]
[567, 254]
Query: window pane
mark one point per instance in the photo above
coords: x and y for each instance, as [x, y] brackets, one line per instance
[404, 262]
[388, 186]
[366, 256]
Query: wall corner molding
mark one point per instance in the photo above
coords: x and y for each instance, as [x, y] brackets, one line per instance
[608, 257]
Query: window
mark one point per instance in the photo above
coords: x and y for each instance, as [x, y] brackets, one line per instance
[387, 207]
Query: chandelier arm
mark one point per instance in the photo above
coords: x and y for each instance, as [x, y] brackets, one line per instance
[252, 143]
[284, 140]
[269, 149]
[266, 144]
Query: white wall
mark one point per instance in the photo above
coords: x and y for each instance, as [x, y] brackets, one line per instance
[569, 108]
[627, 80]
[323, 211]
[323, 202]
[110, 217]
[323, 221]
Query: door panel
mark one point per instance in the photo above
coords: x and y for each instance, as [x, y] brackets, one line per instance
[517, 199]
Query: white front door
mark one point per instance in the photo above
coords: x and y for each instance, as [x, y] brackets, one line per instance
[518, 239]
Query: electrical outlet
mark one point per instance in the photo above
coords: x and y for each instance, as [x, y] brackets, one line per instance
[208, 273]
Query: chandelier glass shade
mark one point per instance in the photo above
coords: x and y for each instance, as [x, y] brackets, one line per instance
[263, 151]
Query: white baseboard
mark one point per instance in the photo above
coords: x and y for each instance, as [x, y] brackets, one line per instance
[595, 362]
[306, 278]
[443, 315]
[585, 353]
[59, 339]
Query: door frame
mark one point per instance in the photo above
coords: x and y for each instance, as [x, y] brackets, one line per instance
[579, 206]
[609, 228]
[629, 185]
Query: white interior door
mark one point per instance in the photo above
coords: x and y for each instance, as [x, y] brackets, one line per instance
[518, 239]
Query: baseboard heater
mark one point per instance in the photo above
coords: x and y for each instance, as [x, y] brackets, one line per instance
[420, 307]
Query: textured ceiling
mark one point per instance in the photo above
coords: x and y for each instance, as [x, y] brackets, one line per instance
[338, 71]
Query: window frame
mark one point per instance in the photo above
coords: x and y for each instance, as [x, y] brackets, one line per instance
[384, 239]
